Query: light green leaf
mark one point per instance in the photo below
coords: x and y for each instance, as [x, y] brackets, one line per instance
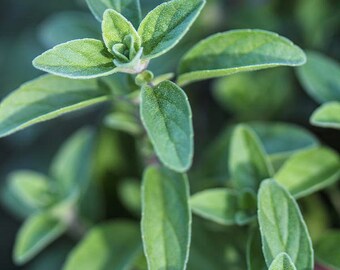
[124, 122]
[115, 28]
[66, 26]
[166, 25]
[320, 77]
[221, 205]
[248, 164]
[327, 250]
[166, 218]
[77, 59]
[282, 262]
[237, 51]
[328, 115]
[309, 171]
[130, 9]
[166, 115]
[110, 246]
[129, 192]
[72, 166]
[45, 98]
[282, 226]
[36, 233]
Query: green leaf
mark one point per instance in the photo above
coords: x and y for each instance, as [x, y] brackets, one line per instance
[45, 98]
[327, 250]
[309, 171]
[36, 233]
[254, 254]
[328, 115]
[77, 59]
[166, 218]
[166, 25]
[320, 77]
[72, 166]
[248, 164]
[130, 9]
[166, 115]
[115, 28]
[66, 26]
[237, 51]
[124, 122]
[282, 226]
[282, 262]
[110, 246]
[129, 192]
[220, 205]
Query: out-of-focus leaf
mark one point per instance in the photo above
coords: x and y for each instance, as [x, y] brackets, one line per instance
[129, 191]
[45, 98]
[282, 226]
[110, 246]
[320, 77]
[309, 171]
[282, 262]
[327, 250]
[166, 218]
[255, 259]
[237, 51]
[328, 115]
[66, 26]
[123, 122]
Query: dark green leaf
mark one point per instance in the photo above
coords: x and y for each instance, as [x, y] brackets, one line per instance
[327, 250]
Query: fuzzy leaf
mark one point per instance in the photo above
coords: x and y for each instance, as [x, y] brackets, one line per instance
[166, 25]
[282, 226]
[166, 218]
[166, 115]
[248, 163]
[36, 233]
[110, 246]
[328, 115]
[45, 98]
[115, 28]
[130, 9]
[282, 262]
[77, 59]
[309, 171]
[320, 77]
[237, 51]
[327, 250]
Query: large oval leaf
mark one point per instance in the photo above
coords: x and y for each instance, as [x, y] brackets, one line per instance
[236, 51]
[36, 233]
[164, 26]
[77, 59]
[248, 163]
[320, 77]
[309, 171]
[282, 226]
[282, 262]
[328, 115]
[166, 115]
[166, 219]
[45, 98]
[110, 246]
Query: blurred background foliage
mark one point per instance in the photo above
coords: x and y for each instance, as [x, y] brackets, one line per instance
[30, 27]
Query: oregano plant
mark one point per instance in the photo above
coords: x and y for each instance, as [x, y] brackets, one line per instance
[242, 206]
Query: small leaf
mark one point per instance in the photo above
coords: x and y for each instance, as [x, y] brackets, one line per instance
[110, 246]
[115, 28]
[130, 9]
[320, 77]
[129, 192]
[124, 122]
[220, 205]
[71, 167]
[166, 115]
[248, 163]
[45, 98]
[166, 218]
[36, 233]
[237, 51]
[77, 59]
[309, 171]
[328, 115]
[282, 262]
[166, 25]
[327, 250]
[282, 226]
